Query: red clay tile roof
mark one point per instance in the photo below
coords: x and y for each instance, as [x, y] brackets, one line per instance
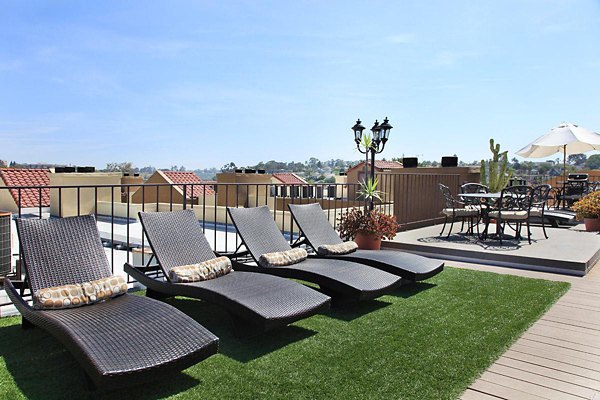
[289, 178]
[28, 177]
[380, 164]
[189, 177]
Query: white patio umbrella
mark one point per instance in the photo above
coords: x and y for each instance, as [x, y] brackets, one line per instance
[568, 138]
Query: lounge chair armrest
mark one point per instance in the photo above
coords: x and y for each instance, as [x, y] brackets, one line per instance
[140, 268]
[238, 266]
[15, 297]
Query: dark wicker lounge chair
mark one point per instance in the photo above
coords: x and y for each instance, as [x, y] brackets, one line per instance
[317, 231]
[256, 302]
[123, 341]
[344, 281]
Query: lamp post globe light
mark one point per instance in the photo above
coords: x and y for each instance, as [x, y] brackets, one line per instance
[380, 135]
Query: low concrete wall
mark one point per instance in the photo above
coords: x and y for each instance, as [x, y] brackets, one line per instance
[120, 209]
[64, 202]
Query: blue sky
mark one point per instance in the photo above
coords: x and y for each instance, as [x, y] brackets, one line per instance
[203, 83]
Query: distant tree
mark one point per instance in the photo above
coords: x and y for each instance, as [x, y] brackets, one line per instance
[147, 170]
[516, 165]
[577, 159]
[229, 167]
[545, 167]
[119, 167]
[593, 162]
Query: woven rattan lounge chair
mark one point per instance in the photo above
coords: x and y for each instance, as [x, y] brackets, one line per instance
[119, 342]
[317, 231]
[343, 280]
[256, 302]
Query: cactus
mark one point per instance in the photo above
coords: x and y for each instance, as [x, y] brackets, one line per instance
[495, 172]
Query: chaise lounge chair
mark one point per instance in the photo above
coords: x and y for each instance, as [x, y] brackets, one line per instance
[118, 342]
[317, 231]
[344, 281]
[256, 302]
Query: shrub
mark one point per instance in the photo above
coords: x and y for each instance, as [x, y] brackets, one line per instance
[372, 222]
[588, 206]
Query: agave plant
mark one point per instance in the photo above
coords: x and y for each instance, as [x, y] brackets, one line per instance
[368, 190]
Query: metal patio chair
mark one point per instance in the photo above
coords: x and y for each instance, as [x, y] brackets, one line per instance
[514, 207]
[539, 204]
[458, 210]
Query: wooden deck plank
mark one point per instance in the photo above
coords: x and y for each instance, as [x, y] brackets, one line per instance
[573, 322]
[502, 392]
[555, 355]
[554, 374]
[562, 333]
[579, 306]
[576, 354]
[560, 386]
[562, 343]
[474, 395]
[568, 327]
[558, 357]
[557, 365]
[580, 300]
[579, 316]
[527, 387]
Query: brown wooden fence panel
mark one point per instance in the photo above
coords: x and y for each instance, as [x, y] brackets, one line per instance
[415, 199]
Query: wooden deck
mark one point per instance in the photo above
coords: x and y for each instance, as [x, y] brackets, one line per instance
[559, 356]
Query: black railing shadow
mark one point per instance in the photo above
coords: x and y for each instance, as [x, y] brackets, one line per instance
[43, 369]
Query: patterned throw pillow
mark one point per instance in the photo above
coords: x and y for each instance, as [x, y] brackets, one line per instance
[203, 271]
[79, 294]
[337, 249]
[281, 258]
[66, 296]
[103, 289]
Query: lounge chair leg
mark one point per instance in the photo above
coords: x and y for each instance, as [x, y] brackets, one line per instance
[26, 324]
[528, 233]
[462, 225]
[153, 294]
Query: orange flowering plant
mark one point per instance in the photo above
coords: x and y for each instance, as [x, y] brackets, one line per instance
[588, 206]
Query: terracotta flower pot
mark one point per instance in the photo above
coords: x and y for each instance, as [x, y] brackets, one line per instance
[367, 241]
[592, 224]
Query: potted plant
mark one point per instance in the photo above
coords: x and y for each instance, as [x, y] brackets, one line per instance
[588, 209]
[367, 227]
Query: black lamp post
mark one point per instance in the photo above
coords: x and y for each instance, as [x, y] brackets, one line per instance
[380, 136]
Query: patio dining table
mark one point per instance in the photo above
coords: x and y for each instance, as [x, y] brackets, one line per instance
[489, 200]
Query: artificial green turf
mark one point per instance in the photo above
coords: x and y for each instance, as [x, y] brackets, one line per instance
[425, 341]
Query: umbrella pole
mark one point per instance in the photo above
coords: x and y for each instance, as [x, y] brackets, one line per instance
[565, 163]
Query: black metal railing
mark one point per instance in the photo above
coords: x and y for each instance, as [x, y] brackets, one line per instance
[116, 206]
